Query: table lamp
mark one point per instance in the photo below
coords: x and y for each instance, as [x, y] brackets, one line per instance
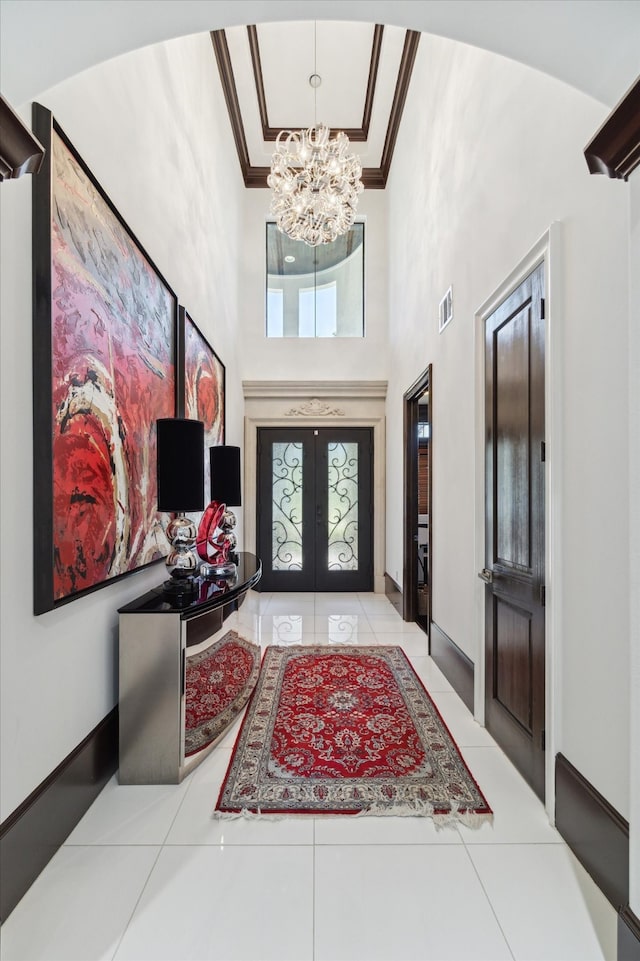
[216, 538]
[180, 474]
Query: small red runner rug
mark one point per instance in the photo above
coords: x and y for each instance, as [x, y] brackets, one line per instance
[219, 682]
[346, 731]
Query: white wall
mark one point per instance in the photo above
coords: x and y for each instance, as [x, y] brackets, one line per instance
[153, 128]
[489, 155]
[327, 358]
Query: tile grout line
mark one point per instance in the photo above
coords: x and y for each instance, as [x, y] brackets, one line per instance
[493, 910]
[137, 902]
[313, 895]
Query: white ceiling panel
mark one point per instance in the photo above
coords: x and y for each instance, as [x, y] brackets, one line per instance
[339, 52]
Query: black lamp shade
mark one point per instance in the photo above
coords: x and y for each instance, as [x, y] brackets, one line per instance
[180, 445]
[225, 475]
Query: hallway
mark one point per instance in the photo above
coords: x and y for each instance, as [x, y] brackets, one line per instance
[148, 874]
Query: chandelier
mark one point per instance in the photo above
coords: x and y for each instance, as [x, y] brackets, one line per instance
[315, 183]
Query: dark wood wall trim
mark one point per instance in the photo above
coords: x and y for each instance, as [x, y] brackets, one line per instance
[596, 833]
[410, 49]
[253, 176]
[393, 593]
[373, 178]
[20, 151]
[628, 935]
[39, 826]
[454, 664]
[372, 80]
[615, 149]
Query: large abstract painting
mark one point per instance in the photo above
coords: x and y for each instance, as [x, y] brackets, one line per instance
[104, 331]
[201, 395]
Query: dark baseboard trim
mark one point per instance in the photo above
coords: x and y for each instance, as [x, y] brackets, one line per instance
[628, 935]
[393, 593]
[454, 664]
[39, 826]
[596, 833]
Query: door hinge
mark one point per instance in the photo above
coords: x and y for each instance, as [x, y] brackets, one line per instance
[543, 740]
[542, 308]
[543, 451]
[543, 595]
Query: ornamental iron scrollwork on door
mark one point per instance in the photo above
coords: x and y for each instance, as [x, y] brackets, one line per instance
[342, 514]
[315, 512]
[286, 524]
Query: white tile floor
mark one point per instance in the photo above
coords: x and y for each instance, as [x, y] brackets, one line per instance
[148, 874]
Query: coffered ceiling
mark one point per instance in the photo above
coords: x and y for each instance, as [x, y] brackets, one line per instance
[364, 69]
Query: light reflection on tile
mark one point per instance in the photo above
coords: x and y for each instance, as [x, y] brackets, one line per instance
[303, 871]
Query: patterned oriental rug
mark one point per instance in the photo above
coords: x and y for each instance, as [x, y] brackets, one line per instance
[346, 731]
[219, 682]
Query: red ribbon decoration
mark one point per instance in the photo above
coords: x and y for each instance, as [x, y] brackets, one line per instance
[206, 533]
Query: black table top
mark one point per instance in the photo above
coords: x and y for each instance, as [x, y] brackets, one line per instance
[208, 593]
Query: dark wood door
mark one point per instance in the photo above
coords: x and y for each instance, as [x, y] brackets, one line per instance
[514, 556]
[315, 508]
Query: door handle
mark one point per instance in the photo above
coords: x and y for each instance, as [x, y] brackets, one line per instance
[486, 575]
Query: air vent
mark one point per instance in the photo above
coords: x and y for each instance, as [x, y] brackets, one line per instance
[446, 310]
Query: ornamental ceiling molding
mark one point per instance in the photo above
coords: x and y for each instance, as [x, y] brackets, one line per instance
[314, 408]
[314, 390]
[372, 177]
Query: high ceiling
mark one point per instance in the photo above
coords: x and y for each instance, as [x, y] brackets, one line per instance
[364, 72]
[591, 44]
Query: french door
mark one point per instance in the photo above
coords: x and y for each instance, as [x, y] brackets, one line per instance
[315, 508]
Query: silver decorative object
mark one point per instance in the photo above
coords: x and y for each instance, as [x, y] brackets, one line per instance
[182, 561]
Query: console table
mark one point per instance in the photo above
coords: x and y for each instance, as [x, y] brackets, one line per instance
[156, 630]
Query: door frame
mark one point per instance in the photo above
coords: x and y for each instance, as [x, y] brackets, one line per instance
[547, 251]
[317, 509]
[316, 403]
[410, 487]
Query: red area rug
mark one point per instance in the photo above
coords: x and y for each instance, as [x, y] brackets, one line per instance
[346, 731]
[219, 682]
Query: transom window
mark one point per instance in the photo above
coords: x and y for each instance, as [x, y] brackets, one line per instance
[315, 291]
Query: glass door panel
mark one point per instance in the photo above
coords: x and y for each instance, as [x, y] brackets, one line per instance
[286, 524]
[342, 486]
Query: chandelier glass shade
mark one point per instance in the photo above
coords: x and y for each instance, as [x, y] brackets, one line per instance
[315, 182]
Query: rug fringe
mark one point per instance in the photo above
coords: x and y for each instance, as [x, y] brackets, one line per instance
[447, 819]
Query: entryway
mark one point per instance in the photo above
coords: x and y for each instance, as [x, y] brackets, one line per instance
[417, 582]
[315, 508]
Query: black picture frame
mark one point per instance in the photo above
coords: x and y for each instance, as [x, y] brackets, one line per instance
[201, 385]
[93, 279]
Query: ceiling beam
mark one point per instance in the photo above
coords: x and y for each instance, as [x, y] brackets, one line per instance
[373, 178]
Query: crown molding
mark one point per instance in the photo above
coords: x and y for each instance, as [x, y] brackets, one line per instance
[314, 389]
[614, 149]
[373, 178]
[21, 152]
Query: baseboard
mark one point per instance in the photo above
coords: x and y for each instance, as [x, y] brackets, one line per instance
[628, 935]
[454, 664]
[393, 593]
[32, 834]
[596, 833]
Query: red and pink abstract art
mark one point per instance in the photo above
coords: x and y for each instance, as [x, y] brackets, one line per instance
[204, 385]
[113, 374]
